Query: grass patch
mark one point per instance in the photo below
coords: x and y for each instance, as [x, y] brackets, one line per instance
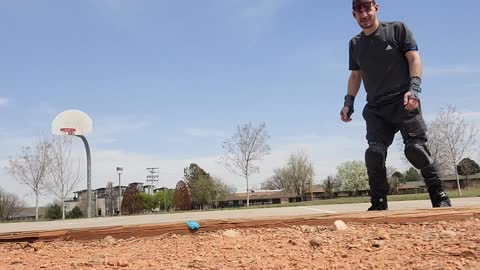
[475, 192]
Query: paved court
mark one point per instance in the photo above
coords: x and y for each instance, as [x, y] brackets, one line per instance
[216, 215]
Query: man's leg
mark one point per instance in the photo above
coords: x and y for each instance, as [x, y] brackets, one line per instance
[380, 136]
[417, 153]
[414, 135]
[375, 157]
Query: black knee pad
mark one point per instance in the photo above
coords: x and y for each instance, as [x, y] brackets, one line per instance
[375, 156]
[418, 155]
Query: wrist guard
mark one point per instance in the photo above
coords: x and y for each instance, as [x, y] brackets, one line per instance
[415, 88]
[349, 101]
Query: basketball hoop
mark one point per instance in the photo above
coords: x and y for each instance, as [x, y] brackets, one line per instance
[71, 124]
[69, 131]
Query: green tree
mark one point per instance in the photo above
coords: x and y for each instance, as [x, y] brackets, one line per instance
[167, 203]
[150, 202]
[467, 167]
[412, 175]
[398, 175]
[54, 211]
[203, 191]
[353, 175]
[220, 190]
[75, 213]
[193, 172]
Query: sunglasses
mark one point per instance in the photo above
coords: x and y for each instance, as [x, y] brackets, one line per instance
[365, 6]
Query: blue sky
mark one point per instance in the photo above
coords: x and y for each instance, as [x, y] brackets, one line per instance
[167, 81]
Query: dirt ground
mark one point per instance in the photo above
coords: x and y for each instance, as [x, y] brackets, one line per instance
[428, 245]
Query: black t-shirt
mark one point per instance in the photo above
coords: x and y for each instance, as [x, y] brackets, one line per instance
[381, 59]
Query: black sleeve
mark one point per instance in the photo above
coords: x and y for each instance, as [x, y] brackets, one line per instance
[353, 65]
[405, 38]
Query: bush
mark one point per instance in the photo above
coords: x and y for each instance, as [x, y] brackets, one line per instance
[54, 211]
[75, 213]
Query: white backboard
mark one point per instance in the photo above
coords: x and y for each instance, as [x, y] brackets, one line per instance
[80, 121]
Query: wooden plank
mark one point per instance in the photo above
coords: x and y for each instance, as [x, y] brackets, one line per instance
[148, 230]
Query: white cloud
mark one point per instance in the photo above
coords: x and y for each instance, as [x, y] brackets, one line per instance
[3, 101]
[450, 70]
[204, 132]
[473, 117]
[106, 130]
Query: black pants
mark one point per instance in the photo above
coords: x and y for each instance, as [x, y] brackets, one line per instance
[383, 122]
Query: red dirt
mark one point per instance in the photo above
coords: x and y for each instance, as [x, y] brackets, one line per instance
[425, 245]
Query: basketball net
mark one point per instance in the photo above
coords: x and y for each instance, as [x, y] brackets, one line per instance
[69, 131]
[69, 134]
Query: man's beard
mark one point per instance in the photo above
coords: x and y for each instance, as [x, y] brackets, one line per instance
[368, 24]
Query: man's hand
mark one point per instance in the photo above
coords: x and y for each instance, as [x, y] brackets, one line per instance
[347, 110]
[410, 102]
[345, 115]
[410, 99]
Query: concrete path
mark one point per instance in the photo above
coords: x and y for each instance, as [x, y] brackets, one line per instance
[219, 215]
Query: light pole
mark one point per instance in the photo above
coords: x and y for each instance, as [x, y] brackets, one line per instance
[119, 171]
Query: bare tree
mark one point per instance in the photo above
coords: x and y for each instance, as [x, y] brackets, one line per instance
[10, 204]
[277, 181]
[390, 170]
[393, 181]
[437, 147]
[247, 146]
[110, 198]
[458, 137]
[295, 176]
[30, 167]
[63, 177]
[331, 185]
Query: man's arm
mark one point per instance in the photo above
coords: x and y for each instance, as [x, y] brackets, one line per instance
[414, 63]
[354, 82]
[416, 71]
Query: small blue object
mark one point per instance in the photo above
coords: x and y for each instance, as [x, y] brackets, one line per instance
[193, 225]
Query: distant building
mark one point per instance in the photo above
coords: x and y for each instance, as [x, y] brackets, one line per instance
[104, 202]
[28, 214]
[70, 203]
[258, 197]
[472, 181]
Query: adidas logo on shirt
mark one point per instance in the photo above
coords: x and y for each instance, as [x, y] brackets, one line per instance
[388, 48]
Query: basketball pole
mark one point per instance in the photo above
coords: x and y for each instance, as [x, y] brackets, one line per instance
[89, 176]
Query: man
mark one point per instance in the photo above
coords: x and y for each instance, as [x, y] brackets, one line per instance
[385, 57]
